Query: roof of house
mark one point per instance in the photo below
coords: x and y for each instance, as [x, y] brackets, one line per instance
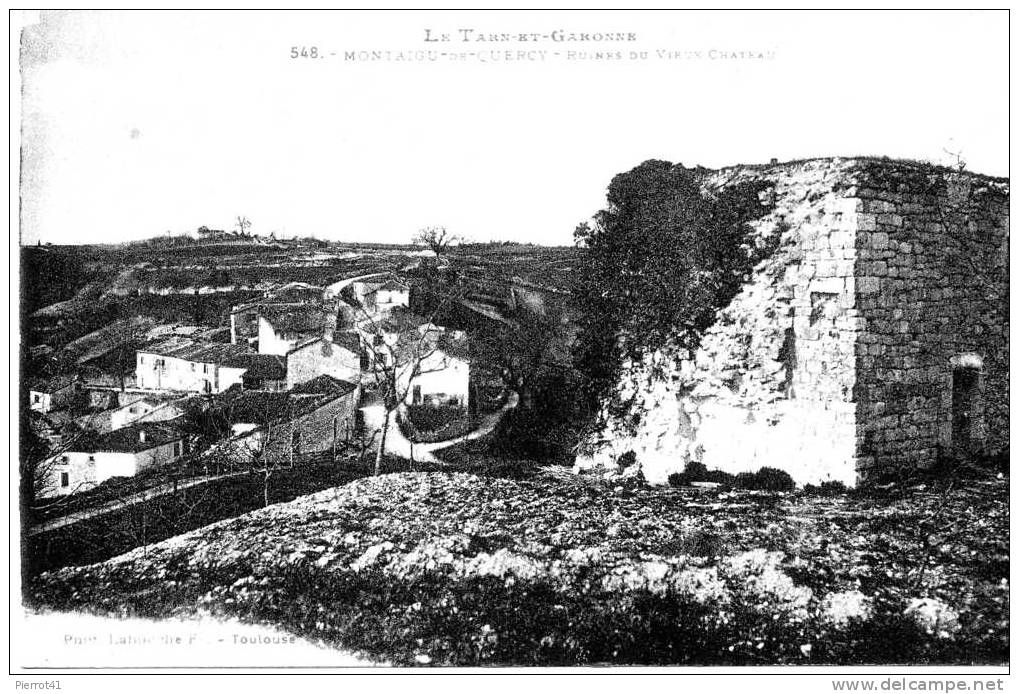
[348, 340]
[140, 436]
[193, 350]
[394, 285]
[294, 319]
[52, 384]
[268, 366]
[325, 385]
[264, 407]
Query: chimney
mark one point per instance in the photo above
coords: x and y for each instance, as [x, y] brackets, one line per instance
[774, 160]
[141, 435]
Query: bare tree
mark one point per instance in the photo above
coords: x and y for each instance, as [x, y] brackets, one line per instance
[243, 224]
[272, 444]
[399, 352]
[436, 238]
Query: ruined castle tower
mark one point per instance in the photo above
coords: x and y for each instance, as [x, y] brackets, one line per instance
[875, 336]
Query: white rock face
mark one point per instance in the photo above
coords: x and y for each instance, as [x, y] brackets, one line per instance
[771, 382]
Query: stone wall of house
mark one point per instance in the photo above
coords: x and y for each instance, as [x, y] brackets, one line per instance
[836, 356]
[932, 285]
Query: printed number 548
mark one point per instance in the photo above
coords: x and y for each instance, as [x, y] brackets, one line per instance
[304, 52]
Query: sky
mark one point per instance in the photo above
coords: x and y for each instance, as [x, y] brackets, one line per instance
[139, 124]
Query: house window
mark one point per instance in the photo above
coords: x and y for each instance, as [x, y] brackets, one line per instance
[176, 449]
[205, 368]
[417, 395]
[65, 479]
[192, 366]
[36, 397]
[141, 359]
[91, 459]
[365, 362]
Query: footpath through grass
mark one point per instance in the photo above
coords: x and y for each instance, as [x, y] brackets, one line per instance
[439, 568]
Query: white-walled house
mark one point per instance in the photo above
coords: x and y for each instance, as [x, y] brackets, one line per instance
[442, 377]
[146, 409]
[49, 394]
[384, 298]
[281, 328]
[185, 365]
[121, 453]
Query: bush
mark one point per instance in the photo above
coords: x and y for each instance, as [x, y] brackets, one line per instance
[431, 423]
[827, 488]
[766, 479]
[698, 472]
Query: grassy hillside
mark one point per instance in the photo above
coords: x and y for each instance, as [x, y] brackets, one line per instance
[439, 568]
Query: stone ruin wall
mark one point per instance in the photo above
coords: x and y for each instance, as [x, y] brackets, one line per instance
[792, 373]
[932, 285]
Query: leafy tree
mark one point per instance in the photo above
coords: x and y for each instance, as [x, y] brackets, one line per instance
[662, 257]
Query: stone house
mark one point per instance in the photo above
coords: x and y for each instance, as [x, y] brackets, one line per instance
[874, 336]
[312, 419]
[337, 355]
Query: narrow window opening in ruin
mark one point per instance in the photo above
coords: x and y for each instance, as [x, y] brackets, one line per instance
[787, 357]
[965, 402]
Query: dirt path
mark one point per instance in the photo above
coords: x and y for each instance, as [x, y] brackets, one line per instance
[399, 445]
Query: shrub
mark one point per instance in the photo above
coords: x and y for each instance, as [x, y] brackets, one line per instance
[766, 479]
[827, 488]
[431, 423]
[698, 472]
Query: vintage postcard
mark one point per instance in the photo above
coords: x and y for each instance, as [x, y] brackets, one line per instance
[368, 341]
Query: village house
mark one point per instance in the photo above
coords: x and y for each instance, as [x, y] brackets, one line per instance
[441, 377]
[244, 324]
[262, 371]
[145, 409]
[281, 327]
[432, 363]
[336, 355]
[282, 428]
[46, 394]
[382, 299]
[180, 364]
[121, 453]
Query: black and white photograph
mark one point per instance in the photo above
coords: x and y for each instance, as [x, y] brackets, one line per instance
[510, 342]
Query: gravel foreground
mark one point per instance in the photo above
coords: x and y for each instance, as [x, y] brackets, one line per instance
[457, 569]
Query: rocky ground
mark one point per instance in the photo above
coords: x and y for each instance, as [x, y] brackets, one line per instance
[449, 568]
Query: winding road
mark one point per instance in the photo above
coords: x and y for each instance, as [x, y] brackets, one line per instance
[399, 445]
